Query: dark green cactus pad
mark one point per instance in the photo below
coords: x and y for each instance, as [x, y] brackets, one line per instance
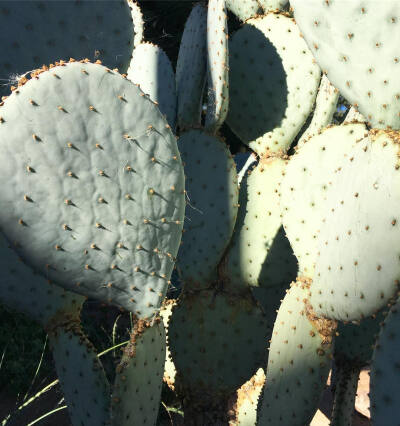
[137, 388]
[259, 253]
[299, 362]
[244, 9]
[93, 185]
[354, 45]
[268, 104]
[83, 380]
[191, 68]
[385, 372]
[212, 205]
[217, 65]
[33, 33]
[220, 348]
[361, 211]
[28, 292]
[151, 69]
[306, 185]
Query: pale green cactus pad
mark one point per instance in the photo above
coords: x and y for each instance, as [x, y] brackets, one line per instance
[299, 362]
[385, 373]
[83, 380]
[306, 185]
[273, 83]
[244, 9]
[353, 43]
[33, 33]
[28, 292]
[212, 205]
[137, 388]
[92, 185]
[191, 68]
[325, 107]
[151, 69]
[259, 253]
[220, 348]
[350, 281]
[217, 65]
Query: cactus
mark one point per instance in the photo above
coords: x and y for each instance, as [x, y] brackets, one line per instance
[359, 60]
[125, 222]
[191, 69]
[49, 30]
[244, 9]
[150, 65]
[217, 65]
[268, 106]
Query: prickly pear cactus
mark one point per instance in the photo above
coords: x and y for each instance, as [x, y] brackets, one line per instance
[212, 205]
[385, 407]
[191, 69]
[106, 221]
[34, 33]
[268, 104]
[349, 282]
[137, 389]
[353, 44]
[299, 361]
[217, 65]
[152, 70]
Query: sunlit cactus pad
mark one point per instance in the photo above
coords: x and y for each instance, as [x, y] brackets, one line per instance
[33, 33]
[92, 185]
[358, 267]
[353, 43]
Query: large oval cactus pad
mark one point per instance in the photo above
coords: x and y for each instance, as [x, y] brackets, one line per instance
[353, 43]
[358, 266]
[93, 185]
[33, 33]
[268, 106]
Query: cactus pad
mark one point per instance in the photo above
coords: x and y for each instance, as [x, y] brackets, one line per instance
[33, 33]
[151, 69]
[305, 187]
[259, 253]
[92, 185]
[137, 388]
[212, 197]
[351, 282]
[218, 65]
[244, 9]
[298, 364]
[268, 104]
[353, 43]
[191, 68]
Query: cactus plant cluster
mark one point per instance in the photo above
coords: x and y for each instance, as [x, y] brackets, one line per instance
[114, 170]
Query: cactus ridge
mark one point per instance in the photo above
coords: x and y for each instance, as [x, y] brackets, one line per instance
[152, 71]
[106, 183]
[191, 69]
[352, 44]
[212, 205]
[268, 106]
[36, 33]
[349, 282]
